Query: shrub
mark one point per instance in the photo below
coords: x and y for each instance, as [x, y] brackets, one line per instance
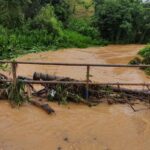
[15, 42]
[147, 71]
[21, 41]
[16, 93]
[47, 20]
[83, 27]
[75, 39]
[145, 53]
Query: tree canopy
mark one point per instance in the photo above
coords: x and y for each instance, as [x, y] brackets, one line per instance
[123, 21]
[34, 25]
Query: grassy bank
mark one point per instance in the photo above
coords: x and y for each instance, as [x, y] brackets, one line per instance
[143, 59]
[145, 53]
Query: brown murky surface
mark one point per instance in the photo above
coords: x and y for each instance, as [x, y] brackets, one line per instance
[117, 54]
[78, 127]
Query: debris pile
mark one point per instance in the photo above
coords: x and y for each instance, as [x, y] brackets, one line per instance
[63, 93]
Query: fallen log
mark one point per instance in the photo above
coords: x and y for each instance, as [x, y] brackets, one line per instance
[47, 77]
[43, 106]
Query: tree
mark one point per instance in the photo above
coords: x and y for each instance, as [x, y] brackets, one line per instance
[46, 19]
[11, 12]
[125, 21]
[62, 10]
[32, 9]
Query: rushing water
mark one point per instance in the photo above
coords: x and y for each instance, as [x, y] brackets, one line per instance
[78, 127]
[106, 55]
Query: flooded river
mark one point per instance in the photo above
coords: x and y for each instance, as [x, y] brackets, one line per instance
[78, 127]
[106, 55]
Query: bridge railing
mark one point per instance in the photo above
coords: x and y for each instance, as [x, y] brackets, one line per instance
[87, 81]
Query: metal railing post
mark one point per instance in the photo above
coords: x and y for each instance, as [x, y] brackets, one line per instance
[87, 82]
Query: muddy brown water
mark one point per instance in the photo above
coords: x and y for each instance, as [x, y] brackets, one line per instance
[113, 54]
[78, 127]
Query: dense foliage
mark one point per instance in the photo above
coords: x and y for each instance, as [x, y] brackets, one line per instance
[123, 21]
[145, 53]
[34, 25]
[143, 59]
[37, 25]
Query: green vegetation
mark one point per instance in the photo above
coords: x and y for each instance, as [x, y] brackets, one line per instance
[123, 21]
[33, 26]
[84, 27]
[28, 26]
[16, 93]
[145, 54]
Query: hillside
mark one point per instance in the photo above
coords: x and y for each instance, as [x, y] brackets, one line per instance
[82, 8]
